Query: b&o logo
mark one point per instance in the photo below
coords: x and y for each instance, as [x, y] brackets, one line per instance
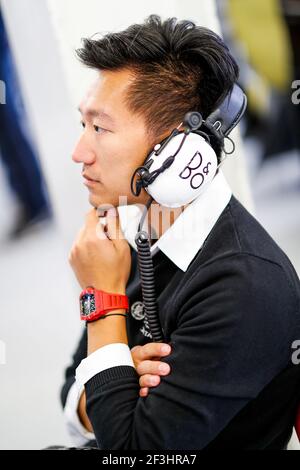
[197, 179]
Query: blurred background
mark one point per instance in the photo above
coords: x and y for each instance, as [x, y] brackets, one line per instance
[43, 201]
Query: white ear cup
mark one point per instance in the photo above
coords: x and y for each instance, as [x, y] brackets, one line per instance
[192, 170]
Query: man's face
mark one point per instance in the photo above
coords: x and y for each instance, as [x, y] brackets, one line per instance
[113, 143]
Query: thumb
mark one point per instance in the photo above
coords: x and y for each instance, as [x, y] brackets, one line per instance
[113, 225]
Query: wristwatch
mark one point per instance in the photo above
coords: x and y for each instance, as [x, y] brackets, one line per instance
[96, 303]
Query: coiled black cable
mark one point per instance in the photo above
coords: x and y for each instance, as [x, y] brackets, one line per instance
[143, 245]
[146, 270]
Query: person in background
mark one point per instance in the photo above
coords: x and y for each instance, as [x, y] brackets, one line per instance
[21, 165]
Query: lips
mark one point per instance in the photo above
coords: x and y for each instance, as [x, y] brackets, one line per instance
[90, 182]
[90, 179]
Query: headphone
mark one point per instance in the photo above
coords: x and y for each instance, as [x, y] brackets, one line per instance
[179, 168]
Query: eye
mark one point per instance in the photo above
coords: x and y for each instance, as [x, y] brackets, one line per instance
[82, 124]
[99, 129]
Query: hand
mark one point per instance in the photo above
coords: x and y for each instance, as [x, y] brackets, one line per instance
[147, 364]
[101, 258]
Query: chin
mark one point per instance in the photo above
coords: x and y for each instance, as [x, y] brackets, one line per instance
[97, 201]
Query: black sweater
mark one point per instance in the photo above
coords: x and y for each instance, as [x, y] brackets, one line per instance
[231, 319]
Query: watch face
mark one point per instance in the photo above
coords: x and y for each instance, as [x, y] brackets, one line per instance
[87, 304]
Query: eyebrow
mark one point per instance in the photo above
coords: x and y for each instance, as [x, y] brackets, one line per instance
[96, 113]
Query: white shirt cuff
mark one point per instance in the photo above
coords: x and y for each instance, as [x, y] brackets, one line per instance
[111, 355]
[77, 432]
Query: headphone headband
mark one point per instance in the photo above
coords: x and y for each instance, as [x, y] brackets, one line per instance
[228, 114]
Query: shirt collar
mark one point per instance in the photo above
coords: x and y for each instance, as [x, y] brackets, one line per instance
[182, 241]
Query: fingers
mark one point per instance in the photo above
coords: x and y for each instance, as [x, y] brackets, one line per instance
[100, 231]
[91, 218]
[113, 225]
[91, 214]
[149, 351]
[149, 380]
[144, 392]
[153, 367]
[148, 366]
[112, 228]
[93, 226]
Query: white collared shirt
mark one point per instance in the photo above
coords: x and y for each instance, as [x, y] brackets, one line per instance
[180, 243]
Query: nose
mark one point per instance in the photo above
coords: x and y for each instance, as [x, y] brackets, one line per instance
[82, 153]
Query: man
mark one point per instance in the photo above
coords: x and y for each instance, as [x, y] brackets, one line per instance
[228, 301]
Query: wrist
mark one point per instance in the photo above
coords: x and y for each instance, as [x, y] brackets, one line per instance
[117, 310]
[113, 289]
[95, 303]
[118, 313]
[106, 331]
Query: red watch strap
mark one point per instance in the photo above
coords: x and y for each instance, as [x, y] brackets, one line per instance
[110, 301]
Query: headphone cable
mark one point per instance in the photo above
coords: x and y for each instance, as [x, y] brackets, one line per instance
[146, 270]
